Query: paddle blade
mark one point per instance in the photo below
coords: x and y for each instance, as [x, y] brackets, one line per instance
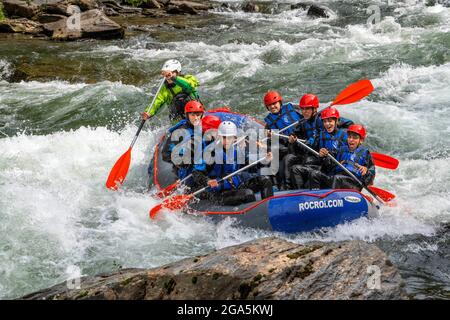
[174, 203]
[168, 190]
[119, 171]
[383, 194]
[384, 161]
[354, 92]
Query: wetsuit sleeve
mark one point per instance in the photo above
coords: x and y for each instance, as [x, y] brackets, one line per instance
[315, 144]
[200, 178]
[188, 84]
[370, 175]
[162, 98]
[328, 165]
[299, 132]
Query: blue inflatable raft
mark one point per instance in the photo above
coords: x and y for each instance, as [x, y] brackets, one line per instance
[287, 211]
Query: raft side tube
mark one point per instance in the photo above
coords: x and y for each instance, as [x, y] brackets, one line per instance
[294, 211]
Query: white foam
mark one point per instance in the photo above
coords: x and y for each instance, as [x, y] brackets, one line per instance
[5, 69]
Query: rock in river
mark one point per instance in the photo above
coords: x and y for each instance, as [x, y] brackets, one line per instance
[268, 268]
[91, 24]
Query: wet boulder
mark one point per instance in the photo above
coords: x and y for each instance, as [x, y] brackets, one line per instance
[21, 25]
[317, 12]
[250, 7]
[152, 4]
[89, 24]
[268, 268]
[186, 7]
[49, 18]
[59, 7]
[120, 9]
[300, 5]
[20, 8]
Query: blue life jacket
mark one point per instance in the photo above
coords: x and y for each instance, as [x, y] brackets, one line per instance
[332, 141]
[312, 126]
[221, 170]
[183, 122]
[186, 169]
[284, 118]
[349, 158]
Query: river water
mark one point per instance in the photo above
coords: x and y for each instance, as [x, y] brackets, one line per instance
[62, 132]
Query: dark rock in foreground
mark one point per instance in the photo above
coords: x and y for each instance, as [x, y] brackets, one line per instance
[268, 268]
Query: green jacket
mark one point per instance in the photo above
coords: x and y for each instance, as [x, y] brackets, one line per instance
[187, 84]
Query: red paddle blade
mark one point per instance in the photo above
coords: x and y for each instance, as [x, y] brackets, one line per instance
[168, 190]
[119, 171]
[354, 92]
[383, 194]
[174, 203]
[384, 161]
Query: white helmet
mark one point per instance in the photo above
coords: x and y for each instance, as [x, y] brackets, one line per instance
[227, 129]
[171, 65]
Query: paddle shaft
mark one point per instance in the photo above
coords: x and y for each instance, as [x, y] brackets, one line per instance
[230, 175]
[340, 165]
[185, 178]
[143, 121]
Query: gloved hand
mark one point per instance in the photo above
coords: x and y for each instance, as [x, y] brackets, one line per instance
[145, 116]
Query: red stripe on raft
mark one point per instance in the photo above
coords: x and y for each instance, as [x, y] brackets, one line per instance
[283, 196]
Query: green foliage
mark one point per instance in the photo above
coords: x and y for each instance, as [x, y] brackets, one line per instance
[2, 15]
[135, 3]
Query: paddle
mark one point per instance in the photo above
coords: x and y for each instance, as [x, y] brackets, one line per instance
[354, 92]
[384, 161]
[179, 201]
[167, 191]
[376, 192]
[120, 169]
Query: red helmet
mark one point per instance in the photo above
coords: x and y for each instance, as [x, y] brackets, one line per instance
[358, 129]
[193, 106]
[271, 97]
[330, 113]
[309, 101]
[210, 122]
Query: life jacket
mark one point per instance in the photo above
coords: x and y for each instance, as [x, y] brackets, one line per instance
[180, 124]
[176, 107]
[312, 126]
[284, 118]
[221, 170]
[350, 158]
[332, 141]
[186, 169]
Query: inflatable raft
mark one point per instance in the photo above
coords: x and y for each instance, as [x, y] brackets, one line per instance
[286, 211]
